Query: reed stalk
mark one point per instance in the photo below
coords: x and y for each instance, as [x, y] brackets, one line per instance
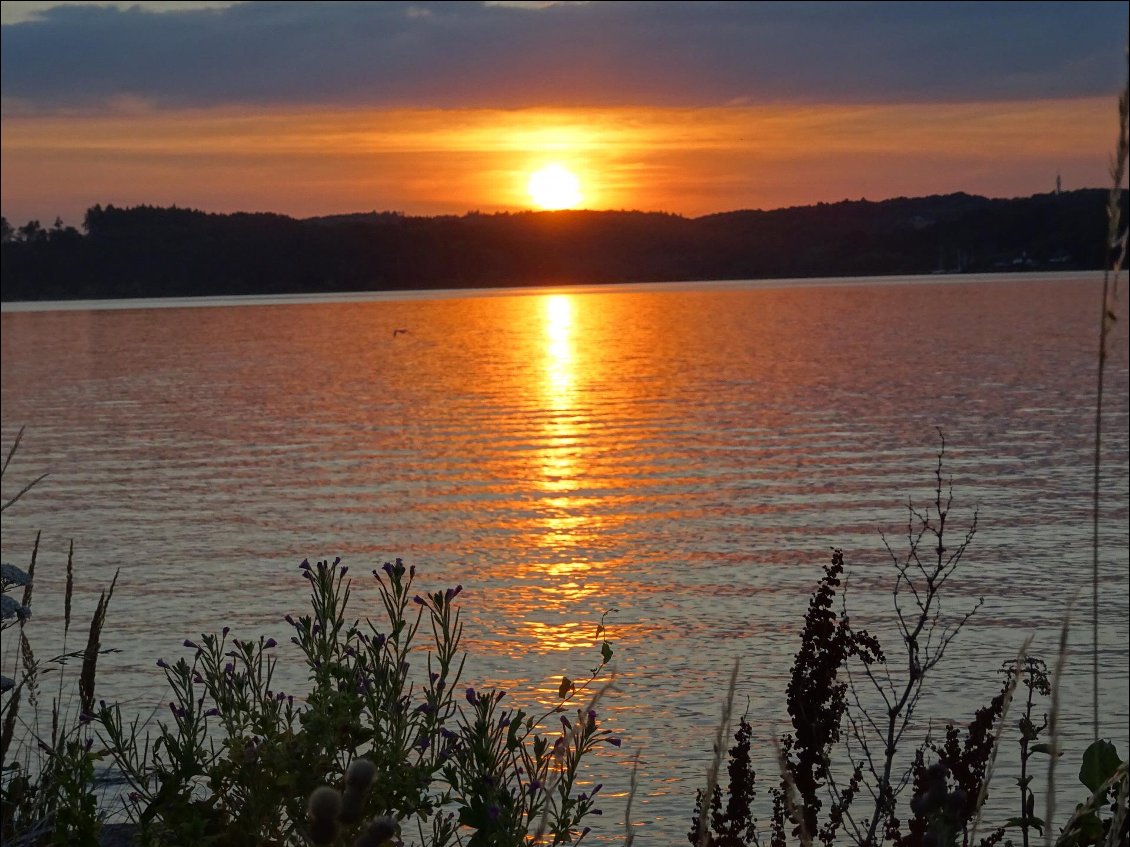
[719, 751]
[1116, 244]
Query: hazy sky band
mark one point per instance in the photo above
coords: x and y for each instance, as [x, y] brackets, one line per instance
[463, 54]
[442, 108]
[691, 161]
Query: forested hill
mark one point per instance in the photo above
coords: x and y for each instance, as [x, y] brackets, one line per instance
[158, 252]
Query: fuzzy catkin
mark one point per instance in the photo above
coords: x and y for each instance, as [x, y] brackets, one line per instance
[352, 805]
[377, 833]
[323, 807]
[360, 774]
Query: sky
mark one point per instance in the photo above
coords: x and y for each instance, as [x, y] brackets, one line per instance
[443, 108]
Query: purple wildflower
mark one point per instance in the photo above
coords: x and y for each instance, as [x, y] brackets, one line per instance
[270, 642]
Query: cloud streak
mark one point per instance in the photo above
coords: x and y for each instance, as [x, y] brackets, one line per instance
[448, 55]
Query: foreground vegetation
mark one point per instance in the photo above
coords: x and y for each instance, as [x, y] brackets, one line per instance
[235, 762]
[847, 771]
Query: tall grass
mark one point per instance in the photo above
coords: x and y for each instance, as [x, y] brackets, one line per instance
[47, 781]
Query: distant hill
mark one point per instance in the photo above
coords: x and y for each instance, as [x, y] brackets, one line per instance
[161, 252]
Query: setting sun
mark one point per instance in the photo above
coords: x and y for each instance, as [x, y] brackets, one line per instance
[554, 187]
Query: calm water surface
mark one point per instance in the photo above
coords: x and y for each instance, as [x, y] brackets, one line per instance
[684, 454]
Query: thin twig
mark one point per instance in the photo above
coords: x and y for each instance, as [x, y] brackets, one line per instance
[633, 786]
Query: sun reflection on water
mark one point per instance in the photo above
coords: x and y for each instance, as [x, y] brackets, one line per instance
[561, 444]
[564, 527]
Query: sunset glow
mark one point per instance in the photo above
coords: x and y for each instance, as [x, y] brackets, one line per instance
[293, 117]
[687, 161]
[554, 187]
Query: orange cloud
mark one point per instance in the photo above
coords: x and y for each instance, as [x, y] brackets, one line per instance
[690, 161]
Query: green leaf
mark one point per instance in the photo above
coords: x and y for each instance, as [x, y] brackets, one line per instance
[606, 652]
[1088, 829]
[565, 687]
[1100, 761]
[1046, 749]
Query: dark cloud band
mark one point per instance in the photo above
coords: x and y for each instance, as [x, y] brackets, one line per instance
[627, 53]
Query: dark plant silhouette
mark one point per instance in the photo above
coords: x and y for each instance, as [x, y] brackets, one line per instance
[810, 803]
[817, 699]
[735, 825]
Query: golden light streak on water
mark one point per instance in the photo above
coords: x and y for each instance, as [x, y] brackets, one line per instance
[565, 522]
[684, 454]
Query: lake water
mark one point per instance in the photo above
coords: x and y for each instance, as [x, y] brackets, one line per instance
[686, 454]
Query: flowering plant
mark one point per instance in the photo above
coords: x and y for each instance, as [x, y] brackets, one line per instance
[375, 745]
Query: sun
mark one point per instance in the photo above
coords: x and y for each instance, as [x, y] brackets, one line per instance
[554, 187]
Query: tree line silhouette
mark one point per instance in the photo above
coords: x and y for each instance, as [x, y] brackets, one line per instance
[149, 251]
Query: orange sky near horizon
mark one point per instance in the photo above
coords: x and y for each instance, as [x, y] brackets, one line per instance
[688, 161]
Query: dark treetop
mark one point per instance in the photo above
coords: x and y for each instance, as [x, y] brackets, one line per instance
[156, 252]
